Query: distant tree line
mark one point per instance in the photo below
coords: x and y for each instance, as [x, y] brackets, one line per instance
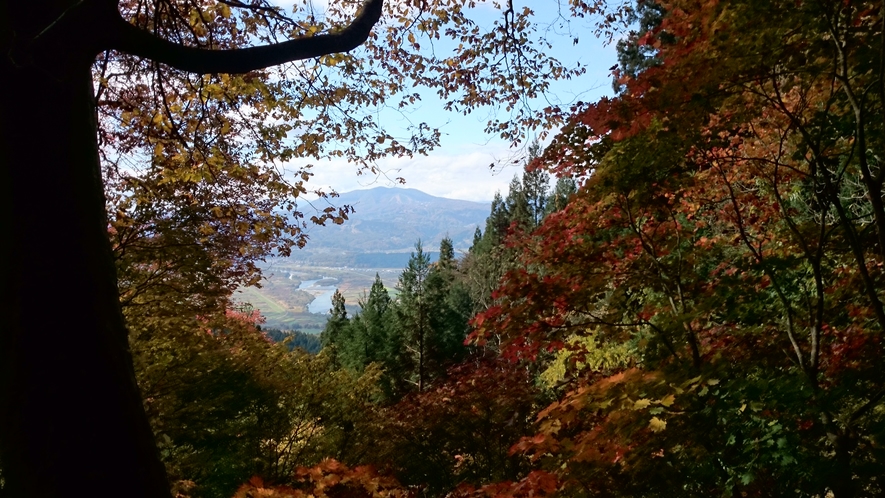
[413, 337]
[310, 343]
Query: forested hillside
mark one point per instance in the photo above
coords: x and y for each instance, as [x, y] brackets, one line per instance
[681, 294]
[388, 219]
[703, 316]
[385, 376]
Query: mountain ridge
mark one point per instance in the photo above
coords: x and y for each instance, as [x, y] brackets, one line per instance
[392, 220]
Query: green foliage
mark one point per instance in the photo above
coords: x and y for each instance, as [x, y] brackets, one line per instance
[369, 336]
[433, 308]
[228, 405]
[293, 339]
[416, 303]
[706, 310]
[413, 338]
[563, 190]
[527, 203]
[635, 53]
[336, 322]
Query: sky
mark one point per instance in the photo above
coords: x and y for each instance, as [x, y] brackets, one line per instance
[459, 168]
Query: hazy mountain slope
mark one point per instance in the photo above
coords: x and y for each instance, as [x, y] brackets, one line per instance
[392, 219]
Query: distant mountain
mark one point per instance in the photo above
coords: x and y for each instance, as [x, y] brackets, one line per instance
[391, 220]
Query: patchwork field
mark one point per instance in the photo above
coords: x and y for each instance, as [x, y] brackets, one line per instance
[286, 292]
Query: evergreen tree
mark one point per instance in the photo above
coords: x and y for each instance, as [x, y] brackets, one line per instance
[497, 223]
[451, 308]
[433, 310]
[413, 312]
[562, 191]
[535, 187]
[635, 57]
[369, 332]
[446, 262]
[452, 324]
[337, 321]
[517, 205]
[488, 258]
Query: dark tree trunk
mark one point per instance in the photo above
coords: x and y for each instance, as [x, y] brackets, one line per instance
[71, 417]
[843, 485]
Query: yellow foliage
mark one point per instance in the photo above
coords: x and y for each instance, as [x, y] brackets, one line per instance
[594, 355]
[656, 424]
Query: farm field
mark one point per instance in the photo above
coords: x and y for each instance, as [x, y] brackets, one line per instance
[290, 290]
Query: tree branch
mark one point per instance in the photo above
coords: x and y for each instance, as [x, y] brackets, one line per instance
[135, 41]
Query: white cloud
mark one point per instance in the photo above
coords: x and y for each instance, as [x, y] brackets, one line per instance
[462, 174]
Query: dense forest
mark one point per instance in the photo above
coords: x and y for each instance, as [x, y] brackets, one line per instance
[693, 308]
[394, 387]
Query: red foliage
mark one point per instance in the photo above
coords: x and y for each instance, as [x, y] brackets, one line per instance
[329, 479]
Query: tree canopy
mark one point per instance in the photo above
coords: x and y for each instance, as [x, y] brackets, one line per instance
[168, 131]
[708, 301]
[695, 308]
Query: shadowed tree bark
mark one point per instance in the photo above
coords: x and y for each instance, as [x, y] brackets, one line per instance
[71, 416]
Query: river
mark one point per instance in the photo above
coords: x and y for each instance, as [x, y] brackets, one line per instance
[322, 295]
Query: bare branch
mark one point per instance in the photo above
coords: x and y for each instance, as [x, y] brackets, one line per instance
[135, 41]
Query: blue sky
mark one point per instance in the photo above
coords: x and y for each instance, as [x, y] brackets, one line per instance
[460, 167]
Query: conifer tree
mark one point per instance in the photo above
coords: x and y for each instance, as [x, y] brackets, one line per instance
[450, 308]
[336, 325]
[413, 312]
[498, 221]
[517, 205]
[477, 237]
[483, 266]
[446, 262]
[432, 313]
[369, 335]
[559, 197]
[535, 187]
